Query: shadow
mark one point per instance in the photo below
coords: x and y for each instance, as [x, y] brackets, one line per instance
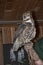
[36, 25]
[6, 55]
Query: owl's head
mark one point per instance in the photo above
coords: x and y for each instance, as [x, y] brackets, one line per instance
[27, 18]
[27, 15]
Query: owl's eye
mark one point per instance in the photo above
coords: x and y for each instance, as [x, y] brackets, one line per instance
[24, 16]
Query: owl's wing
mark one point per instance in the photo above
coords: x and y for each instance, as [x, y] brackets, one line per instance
[19, 31]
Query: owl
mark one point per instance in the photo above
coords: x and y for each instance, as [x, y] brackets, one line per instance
[25, 32]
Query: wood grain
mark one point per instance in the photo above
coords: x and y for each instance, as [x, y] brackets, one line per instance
[13, 9]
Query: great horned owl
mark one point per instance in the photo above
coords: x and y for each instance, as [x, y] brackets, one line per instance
[25, 32]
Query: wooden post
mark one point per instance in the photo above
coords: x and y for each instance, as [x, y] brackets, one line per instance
[1, 49]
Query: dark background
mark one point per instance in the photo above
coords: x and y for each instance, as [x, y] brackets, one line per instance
[13, 9]
[6, 56]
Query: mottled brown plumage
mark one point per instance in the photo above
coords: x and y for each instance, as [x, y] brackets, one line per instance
[25, 33]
